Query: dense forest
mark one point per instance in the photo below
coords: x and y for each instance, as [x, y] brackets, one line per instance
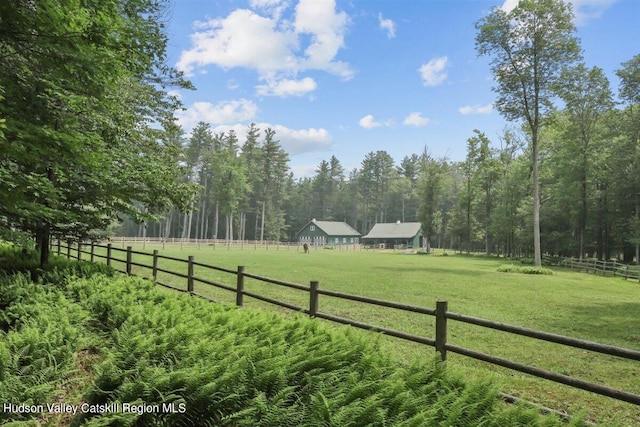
[89, 142]
[589, 189]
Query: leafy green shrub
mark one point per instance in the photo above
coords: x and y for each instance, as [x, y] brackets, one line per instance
[9, 238]
[238, 367]
[527, 261]
[512, 268]
[41, 332]
[14, 259]
[227, 366]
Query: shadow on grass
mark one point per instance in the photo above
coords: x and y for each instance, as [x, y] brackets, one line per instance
[616, 323]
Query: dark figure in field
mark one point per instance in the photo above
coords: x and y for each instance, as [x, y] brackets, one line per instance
[306, 248]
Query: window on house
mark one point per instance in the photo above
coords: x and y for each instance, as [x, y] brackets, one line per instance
[312, 228]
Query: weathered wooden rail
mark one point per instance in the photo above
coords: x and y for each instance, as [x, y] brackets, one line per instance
[441, 313]
[606, 268]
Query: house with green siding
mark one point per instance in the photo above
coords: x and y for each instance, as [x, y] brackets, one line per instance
[395, 235]
[334, 233]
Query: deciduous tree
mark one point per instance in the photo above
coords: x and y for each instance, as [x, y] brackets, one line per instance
[528, 47]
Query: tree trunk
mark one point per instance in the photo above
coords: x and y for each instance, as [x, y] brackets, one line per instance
[217, 221]
[262, 222]
[183, 235]
[167, 227]
[42, 240]
[198, 216]
[189, 225]
[537, 252]
[243, 225]
[637, 237]
[255, 229]
[226, 229]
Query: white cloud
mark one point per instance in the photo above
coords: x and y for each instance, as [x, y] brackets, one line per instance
[368, 122]
[273, 46]
[476, 109]
[287, 87]
[509, 5]
[222, 113]
[293, 141]
[264, 4]
[273, 7]
[416, 119]
[176, 94]
[302, 140]
[433, 72]
[327, 28]
[388, 25]
[304, 171]
[242, 39]
[584, 10]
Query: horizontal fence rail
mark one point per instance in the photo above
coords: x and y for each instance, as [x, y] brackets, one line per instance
[123, 242]
[606, 268]
[441, 313]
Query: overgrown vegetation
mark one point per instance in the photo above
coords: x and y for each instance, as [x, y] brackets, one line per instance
[564, 303]
[41, 331]
[216, 365]
[524, 269]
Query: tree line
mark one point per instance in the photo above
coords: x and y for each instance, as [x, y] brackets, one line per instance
[88, 142]
[482, 203]
[565, 180]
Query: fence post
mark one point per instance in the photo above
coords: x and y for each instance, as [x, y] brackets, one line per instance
[68, 249]
[313, 298]
[93, 249]
[109, 254]
[58, 247]
[129, 256]
[154, 268]
[79, 251]
[441, 329]
[190, 275]
[240, 286]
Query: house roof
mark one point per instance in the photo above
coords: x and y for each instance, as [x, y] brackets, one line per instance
[334, 228]
[394, 230]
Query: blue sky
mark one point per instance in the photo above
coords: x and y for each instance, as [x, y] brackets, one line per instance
[345, 78]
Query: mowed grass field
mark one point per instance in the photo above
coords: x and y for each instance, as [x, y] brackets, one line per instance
[605, 310]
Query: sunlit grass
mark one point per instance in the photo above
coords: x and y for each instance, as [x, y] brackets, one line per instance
[580, 305]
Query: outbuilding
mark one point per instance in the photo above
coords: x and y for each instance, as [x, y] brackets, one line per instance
[334, 233]
[395, 235]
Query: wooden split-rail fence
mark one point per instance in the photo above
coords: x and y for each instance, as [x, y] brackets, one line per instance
[606, 268]
[441, 313]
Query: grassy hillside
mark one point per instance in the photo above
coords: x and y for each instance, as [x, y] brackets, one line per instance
[128, 354]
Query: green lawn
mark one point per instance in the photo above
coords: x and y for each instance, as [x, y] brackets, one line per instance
[580, 305]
